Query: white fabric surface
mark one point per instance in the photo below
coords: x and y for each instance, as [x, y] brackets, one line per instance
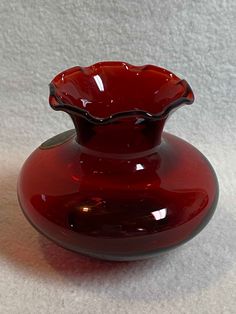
[40, 38]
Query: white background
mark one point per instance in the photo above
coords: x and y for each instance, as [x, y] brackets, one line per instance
[38, 39]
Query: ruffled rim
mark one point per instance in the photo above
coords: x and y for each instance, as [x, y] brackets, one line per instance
[57, 103]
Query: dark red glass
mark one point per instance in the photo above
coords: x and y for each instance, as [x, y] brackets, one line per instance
[118, 187]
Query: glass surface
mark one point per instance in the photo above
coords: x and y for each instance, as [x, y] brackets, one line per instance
[118, 187]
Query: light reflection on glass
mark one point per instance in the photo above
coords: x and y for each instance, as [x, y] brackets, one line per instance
[159, 214]
[75, 178]
[85, 102]
[140, 229]
[85, 209]
[99, 82]
[139, 167]
[139, 120]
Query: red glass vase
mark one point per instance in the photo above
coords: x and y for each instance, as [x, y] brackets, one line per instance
[117, 187]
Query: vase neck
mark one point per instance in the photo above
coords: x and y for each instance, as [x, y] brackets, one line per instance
[127, 136]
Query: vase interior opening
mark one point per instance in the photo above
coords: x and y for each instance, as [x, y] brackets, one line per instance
[106, 89]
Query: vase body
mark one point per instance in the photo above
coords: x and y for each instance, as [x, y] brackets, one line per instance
[117, 187]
